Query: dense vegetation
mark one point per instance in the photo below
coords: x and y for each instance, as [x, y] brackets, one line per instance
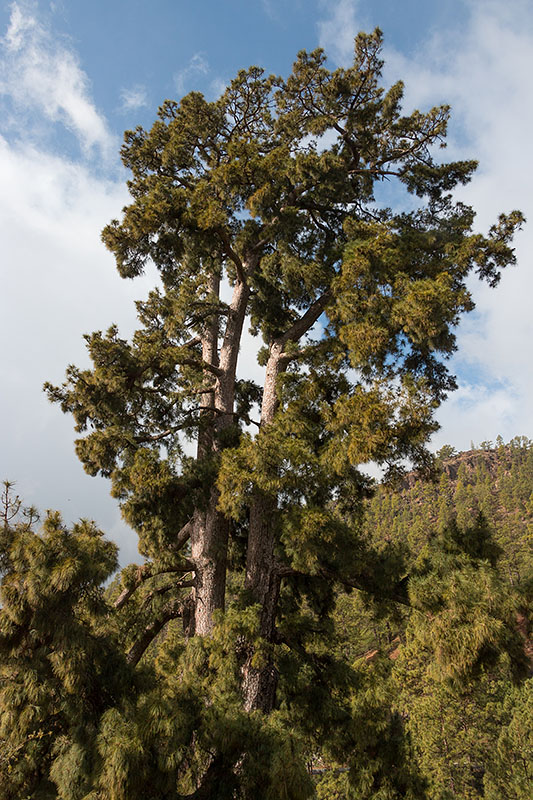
[474, 524]
[495, 480]
[416, 688]
[233, 662]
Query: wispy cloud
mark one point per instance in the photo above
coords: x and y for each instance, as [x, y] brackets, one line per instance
[58, 282]
[39, 73]
[133, 98]
[337, 31]
[197, 66]
[269, 9]
[217, 87]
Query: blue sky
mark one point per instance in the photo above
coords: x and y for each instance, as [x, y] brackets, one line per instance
[142, 48]
[74, 75]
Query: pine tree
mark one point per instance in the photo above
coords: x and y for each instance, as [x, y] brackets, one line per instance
[270, 192]
[60, 664]
[460, 659]
[510, 773]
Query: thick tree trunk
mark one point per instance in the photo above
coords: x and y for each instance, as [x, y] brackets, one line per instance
[262, 575]
[209, 543]
[209, 539]
[263, 583]
[262, 580]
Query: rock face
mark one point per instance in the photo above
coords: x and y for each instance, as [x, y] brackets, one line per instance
[469, 459]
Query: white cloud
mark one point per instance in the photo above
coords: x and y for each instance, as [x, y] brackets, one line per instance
[482, 70]
[41, 74]
[197, 66]
[481, 67]
[477, 413]
[337, 32]
[58, 282]
[269, 9]
[217, 87]
[133, 98]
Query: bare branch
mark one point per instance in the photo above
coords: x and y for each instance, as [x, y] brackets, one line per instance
[232, 255]
[292, 356]
[156, 437]
[172, 610]
[146, 572]
[305, 322]
[183, 536]
[209, 390]
[164, 589]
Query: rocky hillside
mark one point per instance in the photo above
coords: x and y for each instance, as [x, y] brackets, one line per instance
[495, 479]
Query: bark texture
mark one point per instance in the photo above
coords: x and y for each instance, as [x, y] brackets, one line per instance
[209, 539]
[262, 576]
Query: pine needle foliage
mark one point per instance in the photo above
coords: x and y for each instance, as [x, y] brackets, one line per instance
[460, 655]
[60, 665]
[267, 195]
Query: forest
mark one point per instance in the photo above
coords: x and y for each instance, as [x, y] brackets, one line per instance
[293, 629]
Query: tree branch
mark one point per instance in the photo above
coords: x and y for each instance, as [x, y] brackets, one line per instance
[156, 437]
[291, 356]
[209, 390]
[164, 589]
[305, 322]
[232, 255]
[172, 610]
[145, 572]
[203, 365]
[397, 594]
[183, 535]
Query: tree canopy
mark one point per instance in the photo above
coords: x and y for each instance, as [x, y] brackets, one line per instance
[262, 208]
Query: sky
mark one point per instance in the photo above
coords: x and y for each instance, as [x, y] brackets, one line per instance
[75, 75]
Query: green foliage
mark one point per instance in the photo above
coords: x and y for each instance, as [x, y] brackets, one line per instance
[495, 483]
[452, 576]
[60, 666]
[511, 770]
[256, 538]
[242, 188]
[462, 651]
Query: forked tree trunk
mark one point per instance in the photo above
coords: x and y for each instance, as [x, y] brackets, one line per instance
[209, 538]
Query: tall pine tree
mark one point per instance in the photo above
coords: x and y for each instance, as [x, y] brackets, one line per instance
[270, 193]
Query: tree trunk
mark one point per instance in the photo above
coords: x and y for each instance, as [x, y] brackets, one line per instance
[209, 538]
[209, 542]
[262, 580]
[262, 576]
